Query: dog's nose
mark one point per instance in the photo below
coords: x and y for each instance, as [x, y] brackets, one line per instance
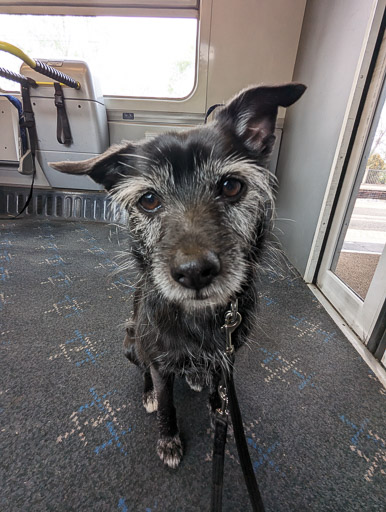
[195, 271]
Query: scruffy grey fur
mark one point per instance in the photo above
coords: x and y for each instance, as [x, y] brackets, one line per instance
[199, 206]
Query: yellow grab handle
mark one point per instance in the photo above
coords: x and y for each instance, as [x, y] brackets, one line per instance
[39, 66]
[14, 50]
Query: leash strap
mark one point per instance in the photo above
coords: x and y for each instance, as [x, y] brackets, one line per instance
[220, 437]
[230, 406]
[242, 449]
[63, 131]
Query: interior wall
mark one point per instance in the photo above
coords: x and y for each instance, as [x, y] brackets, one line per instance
[329, 51]
[252, 42]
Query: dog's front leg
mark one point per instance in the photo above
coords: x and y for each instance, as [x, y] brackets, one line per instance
[149, 398]
[169, 447]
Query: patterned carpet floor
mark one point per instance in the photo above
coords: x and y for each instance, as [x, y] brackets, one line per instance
[74, 435]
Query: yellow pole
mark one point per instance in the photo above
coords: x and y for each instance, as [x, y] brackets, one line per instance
[45, 84]
[14, 50]
[44, 69]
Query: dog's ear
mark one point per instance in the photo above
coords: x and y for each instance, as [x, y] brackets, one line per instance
[105, 169]
[251, 115]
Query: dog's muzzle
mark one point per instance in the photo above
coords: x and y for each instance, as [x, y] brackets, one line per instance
[195, 270]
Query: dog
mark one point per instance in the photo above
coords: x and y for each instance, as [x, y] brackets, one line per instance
[198, 205]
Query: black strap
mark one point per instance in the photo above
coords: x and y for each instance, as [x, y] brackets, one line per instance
[220, 437]
[29, 195]
[28, 122]
[242, 449]
[63, 132]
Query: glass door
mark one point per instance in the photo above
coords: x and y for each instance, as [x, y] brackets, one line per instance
[353, 270]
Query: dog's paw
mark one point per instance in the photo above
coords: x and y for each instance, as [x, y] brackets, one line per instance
[150, 401]
[194, 382]
[170, 450]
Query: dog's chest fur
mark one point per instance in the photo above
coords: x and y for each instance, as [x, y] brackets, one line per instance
[186, 344]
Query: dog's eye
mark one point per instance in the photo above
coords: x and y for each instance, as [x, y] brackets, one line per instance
[231, 188]
[150, 202]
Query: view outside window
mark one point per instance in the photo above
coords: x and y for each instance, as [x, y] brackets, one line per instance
[148, 57]
[365, 237]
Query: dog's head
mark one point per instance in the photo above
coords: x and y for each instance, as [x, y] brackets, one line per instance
[196, 200]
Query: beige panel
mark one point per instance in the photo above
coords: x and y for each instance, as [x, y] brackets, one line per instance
[253, 41]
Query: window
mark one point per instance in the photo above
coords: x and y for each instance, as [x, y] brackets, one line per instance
[130, 56]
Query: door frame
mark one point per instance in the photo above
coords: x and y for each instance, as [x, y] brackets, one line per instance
[362, 315]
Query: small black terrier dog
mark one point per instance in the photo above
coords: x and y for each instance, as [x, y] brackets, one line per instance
[198, 206]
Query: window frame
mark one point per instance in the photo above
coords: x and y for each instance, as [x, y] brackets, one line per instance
[195, 101]
[166, 8]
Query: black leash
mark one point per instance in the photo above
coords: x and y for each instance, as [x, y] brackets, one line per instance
[242, 448]
[229, 405]
[220, 437]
